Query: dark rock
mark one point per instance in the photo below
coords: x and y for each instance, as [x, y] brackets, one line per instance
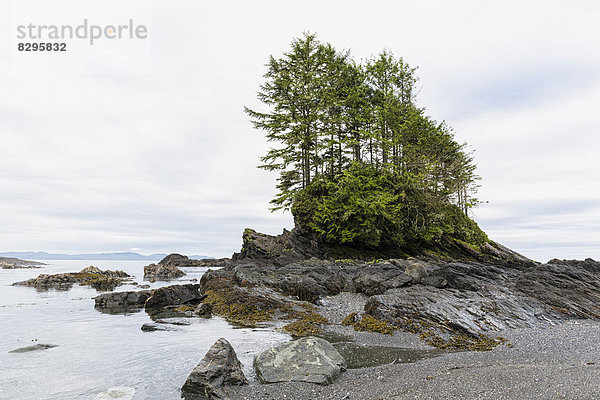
[308, 359]
[45, 281]
[92, 276]
[119, 302]
[374, 279]
[571, 288]
[174, 295]
[151, 327]
[299, 245]
[454, 311]
[435, 281]
[160, 272]
[219, 368]
[35, 347]
[113, 274]
[180, 261]
[457, 301]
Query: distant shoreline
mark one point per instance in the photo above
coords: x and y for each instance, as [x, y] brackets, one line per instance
[122, 256]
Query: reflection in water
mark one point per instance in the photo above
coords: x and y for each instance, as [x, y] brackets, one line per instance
[98, 351]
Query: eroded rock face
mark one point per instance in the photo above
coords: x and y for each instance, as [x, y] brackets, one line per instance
[173, 295]
[309, 359]
[568, 287]
[219, 368]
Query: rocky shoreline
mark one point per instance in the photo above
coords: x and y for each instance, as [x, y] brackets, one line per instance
[378, 315]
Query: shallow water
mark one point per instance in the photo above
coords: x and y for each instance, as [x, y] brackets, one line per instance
[97, 351]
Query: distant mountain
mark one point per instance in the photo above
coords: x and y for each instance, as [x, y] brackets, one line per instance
[124, 256]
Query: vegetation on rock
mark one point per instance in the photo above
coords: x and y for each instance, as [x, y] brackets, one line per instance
[359, 162]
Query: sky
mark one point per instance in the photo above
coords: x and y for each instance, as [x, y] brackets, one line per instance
[142, 144]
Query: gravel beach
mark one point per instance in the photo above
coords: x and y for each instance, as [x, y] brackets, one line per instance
[559, 362]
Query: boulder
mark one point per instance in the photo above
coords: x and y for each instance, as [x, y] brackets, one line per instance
[220, 367]
[160, 272]
[309, 359]
[376, 278]
[121, 301]
[151, 327]
[416, 270]
[174, 295]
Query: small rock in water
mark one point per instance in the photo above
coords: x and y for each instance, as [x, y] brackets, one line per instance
[117, 392]
[39, 346]
[150, 327]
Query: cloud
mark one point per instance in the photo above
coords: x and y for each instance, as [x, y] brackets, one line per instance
[150, 149]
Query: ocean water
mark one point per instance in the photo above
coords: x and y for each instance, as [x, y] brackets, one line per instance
[97, 351]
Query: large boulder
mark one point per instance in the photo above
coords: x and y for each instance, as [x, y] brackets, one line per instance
[220, 367]
[121, 301]
[309, 359]
[174, 295]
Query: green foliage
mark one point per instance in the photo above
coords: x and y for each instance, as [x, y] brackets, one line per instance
[366, 207]
[358, 161]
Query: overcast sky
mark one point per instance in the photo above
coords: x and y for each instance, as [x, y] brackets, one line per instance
[143, 144]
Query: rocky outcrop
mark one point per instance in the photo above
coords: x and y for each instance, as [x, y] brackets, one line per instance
[174, 300]
[218, 369]
[181, 261]
[311, 279]
[121, 302]
[159, 272]
[15, 263]
[92, 276]
[299, 245]
[450, 303]
[309, 359]
[174, 295]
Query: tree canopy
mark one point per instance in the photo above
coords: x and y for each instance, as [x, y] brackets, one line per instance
[359, 162]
